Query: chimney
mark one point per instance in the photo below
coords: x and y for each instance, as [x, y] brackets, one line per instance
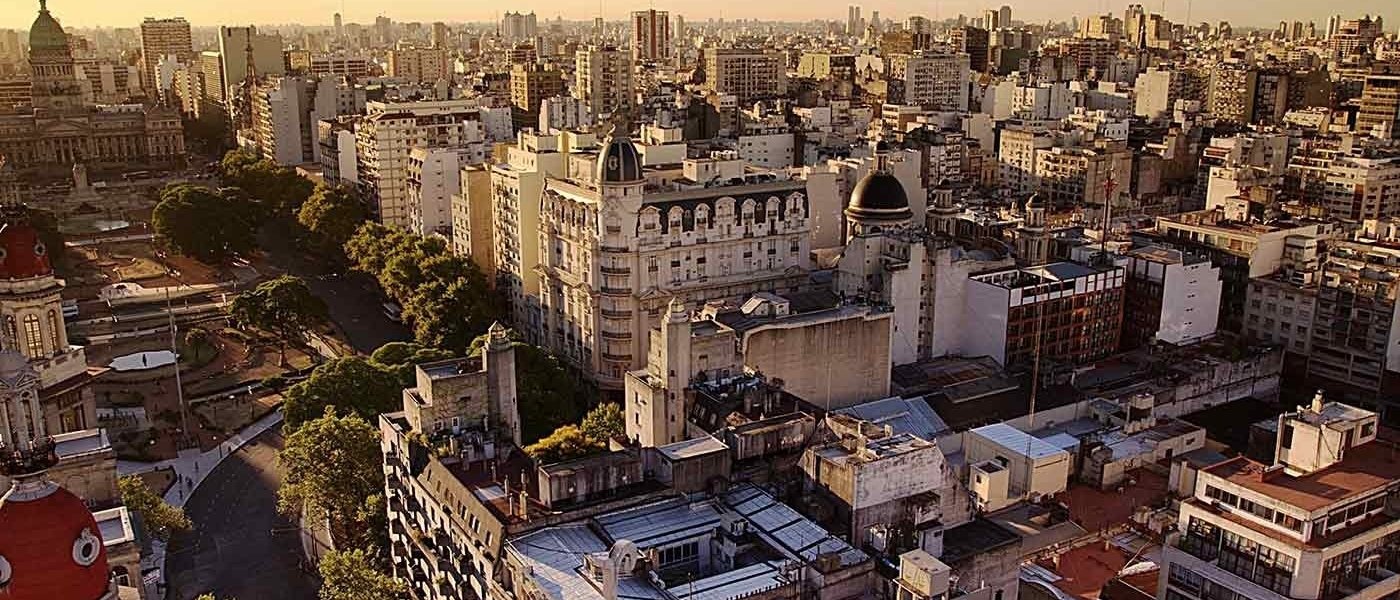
[1317, 402]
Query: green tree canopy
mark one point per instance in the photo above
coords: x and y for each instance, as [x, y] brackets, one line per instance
[402, 357]
[284, 306]
[278, 187]
[160, 519]
[604, 422]
[210, 226]
[333, 214]
[354, 385]
[370, 249]
[331, 469]
[566, 443]
[350, 575]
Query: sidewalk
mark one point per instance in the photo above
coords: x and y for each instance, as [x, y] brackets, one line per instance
[196, 466]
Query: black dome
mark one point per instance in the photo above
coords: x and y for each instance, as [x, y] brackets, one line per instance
[879, 195]
[619, 161]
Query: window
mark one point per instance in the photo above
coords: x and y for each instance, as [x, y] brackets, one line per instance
[33, 337]
[1287, 440]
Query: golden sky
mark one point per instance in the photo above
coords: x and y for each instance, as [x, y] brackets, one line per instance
[128, 13]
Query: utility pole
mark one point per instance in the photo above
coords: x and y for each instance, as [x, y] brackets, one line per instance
[179, 389]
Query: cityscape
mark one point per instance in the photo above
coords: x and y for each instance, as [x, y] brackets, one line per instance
[778, 302]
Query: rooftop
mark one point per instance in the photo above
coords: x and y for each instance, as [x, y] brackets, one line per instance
[903, 415]
[1366, 468]
[1018, 441]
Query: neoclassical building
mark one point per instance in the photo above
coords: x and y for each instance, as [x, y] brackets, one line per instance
[619, 240]
[60, 129]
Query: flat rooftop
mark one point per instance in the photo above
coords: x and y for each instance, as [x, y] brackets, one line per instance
[1367, 468]
[1018, 441]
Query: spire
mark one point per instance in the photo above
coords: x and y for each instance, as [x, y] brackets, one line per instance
[43, 6]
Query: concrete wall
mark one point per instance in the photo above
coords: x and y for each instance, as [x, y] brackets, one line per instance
[832, 364]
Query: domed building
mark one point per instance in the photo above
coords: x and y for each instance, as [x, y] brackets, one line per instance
[60, 129]
[620, 238]
[52, 545]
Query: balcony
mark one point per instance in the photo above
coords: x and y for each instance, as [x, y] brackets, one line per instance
[612, 291]
[616, 314]
[615, 270]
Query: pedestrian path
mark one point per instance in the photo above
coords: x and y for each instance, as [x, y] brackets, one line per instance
[191, 467]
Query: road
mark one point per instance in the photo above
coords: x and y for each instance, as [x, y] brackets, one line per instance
[239, 547]
[353, 298]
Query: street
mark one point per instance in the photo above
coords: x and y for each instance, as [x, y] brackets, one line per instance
[352, 297]
[239, 546]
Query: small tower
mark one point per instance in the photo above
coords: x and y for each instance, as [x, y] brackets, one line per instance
[619, 169]
[22, 427]
[498, 359]
[31, 304]
[943, 219]
[1033, 238]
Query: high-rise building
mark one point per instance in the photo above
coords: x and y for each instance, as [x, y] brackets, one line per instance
[1004, 17]
[603, 79]
[530, 84]
[975, 43]
[286, 110]
[854, 25]
[161, 38]
[419, 65]
[747, 74]
[1351, 36]
[1380, 106]
[388, 132]
[991, 19]
[935, 80]
[339, 26]
[439, 35]
[651, 36]
[517, 27]
[236, 44]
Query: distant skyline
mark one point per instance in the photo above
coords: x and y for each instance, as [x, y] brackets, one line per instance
[18, 14]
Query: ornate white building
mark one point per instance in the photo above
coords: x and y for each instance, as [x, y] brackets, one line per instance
[619, 239]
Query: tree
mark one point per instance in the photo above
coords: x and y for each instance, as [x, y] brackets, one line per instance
[284, 306]
[209, 226]
[373, 245]
[160, 519]
[197, 341]
[348, 575]
[279, 187]
[604, 422]
[353, 385]
[402, 357]
[450, 314]
[333, 214]
[566, 443]
[331, 471]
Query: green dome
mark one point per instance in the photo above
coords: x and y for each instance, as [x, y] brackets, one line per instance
[46, 33]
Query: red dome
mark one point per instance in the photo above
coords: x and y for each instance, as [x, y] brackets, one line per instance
[22, 254]
[49, 534]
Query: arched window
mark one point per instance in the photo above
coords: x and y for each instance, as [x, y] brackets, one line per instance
[33, 337]
[55, 328]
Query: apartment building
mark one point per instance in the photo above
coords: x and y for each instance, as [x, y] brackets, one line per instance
[747, 74]
[1171, 296]
[530, 84]
[1356, 326]
[933, 80]
[1319, 523]
[387, 134]
[603, 79]
[1065, 312]
[651, 35]
[160, 39]
[1380, 106]
[419, 65]
[286, 111]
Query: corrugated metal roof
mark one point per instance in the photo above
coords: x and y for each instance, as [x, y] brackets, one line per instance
[904, 415]
[1018, 441]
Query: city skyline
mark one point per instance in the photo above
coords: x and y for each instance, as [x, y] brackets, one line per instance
[81, 13]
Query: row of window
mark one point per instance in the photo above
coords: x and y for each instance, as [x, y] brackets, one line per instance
[1268, 514]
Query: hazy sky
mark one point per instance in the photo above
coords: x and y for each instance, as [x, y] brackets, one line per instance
[128, 13]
